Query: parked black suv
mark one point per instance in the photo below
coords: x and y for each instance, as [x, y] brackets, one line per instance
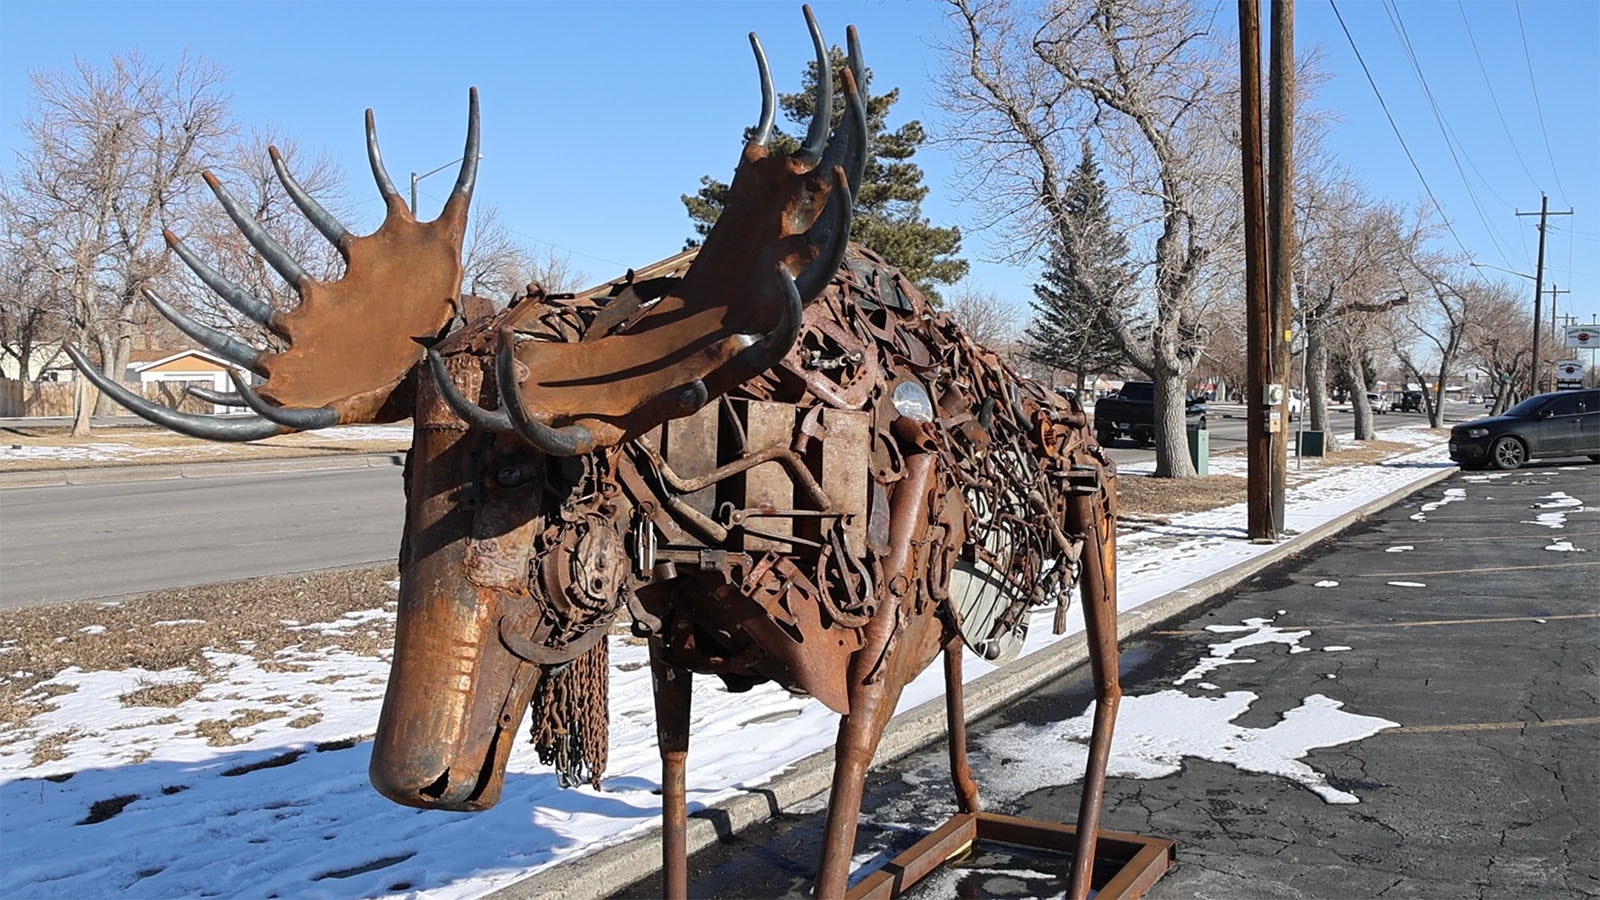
[1563, 423]
[1411, 401]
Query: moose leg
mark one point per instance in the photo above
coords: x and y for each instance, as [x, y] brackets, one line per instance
[1100, 628]
[878, 672]
[670, 686]
[859, 733]
[955, 714]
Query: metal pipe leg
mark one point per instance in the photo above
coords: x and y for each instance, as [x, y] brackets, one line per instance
[859, 733]
[956, 721]
[1100, 627]
[671, 686]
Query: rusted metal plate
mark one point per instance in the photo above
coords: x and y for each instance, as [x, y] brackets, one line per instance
[769, 486]
[690, 446]
[846, 462]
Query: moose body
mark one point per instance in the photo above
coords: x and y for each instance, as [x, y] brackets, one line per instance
[771, 455]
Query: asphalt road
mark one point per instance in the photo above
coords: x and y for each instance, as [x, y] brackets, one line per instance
[1453, 615]
[81, 541]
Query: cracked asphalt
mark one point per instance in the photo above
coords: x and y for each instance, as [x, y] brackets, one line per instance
[1467, 614]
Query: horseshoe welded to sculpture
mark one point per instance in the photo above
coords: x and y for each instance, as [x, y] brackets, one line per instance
[772, 455]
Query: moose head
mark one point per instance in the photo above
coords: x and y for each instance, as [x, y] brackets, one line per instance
[772, 454]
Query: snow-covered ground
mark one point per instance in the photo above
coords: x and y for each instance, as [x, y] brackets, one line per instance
[99, 798]
[113, 451]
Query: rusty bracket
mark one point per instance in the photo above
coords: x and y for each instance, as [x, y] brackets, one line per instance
[1134, 862]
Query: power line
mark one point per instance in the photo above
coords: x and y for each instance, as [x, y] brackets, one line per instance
[1537, 105]
[1489, 83]
[1401, 138]
[1450, 140]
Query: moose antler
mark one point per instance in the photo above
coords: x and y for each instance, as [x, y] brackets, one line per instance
[733, 315]
[350, 342]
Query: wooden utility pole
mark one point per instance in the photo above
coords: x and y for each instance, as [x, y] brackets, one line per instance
[1280, 125]
[1544, 214]
[1258, 374]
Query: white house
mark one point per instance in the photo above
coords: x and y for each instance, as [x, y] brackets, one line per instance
[192, 367]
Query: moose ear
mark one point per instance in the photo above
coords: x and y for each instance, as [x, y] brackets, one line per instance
[350, 342]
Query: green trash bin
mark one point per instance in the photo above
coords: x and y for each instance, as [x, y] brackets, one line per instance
[1309, 443]
[1200, 450]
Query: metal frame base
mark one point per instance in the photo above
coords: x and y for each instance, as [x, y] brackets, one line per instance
[1137, 862]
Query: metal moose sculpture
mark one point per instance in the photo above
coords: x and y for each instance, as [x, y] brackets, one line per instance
[772, 454]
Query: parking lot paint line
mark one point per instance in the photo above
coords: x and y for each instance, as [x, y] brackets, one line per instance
[1421, 623]
[1472, 570]
[1492, 726]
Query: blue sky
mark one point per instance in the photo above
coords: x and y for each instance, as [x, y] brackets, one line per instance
[598, 115]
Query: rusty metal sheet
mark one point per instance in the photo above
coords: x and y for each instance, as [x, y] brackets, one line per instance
[690, 446]
[769, 484]
[846, 462]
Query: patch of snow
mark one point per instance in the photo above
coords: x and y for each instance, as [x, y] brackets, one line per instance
[1558, 500]
[1156, 732]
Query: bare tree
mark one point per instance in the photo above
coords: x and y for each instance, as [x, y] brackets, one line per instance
[982, 316]
[1147, 83]
[111, 160]
[30, 295]
[498, 267]
[1433, 332]
[1351, 252]
[1497, 340]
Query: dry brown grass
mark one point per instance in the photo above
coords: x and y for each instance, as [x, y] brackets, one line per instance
[172, 629]
[1143, 497]
[168, 694]
[156, 446]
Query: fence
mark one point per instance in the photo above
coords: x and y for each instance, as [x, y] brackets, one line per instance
[52, 399]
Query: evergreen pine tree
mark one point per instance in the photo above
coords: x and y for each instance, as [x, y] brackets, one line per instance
[1086, 275]
[888, 215]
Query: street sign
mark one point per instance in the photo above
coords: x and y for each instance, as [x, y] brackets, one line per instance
[1583, 336]
[1569, 375]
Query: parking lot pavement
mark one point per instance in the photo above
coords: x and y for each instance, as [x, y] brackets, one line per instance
[1408, 709]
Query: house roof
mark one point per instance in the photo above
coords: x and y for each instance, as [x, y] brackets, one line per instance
[172, 356]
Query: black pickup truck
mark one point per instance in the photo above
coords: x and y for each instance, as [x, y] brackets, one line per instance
[1131, 412]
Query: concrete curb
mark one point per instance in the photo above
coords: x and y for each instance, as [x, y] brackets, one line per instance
[169, 471]
[602, 873]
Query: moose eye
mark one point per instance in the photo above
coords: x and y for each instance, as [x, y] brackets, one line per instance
[512, 475]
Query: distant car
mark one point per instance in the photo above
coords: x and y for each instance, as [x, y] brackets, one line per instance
[1378, 402]
[1411, 401]
[1295, 405]
[1563, 423]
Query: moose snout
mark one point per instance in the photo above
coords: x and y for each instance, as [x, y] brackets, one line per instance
[454, 703]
